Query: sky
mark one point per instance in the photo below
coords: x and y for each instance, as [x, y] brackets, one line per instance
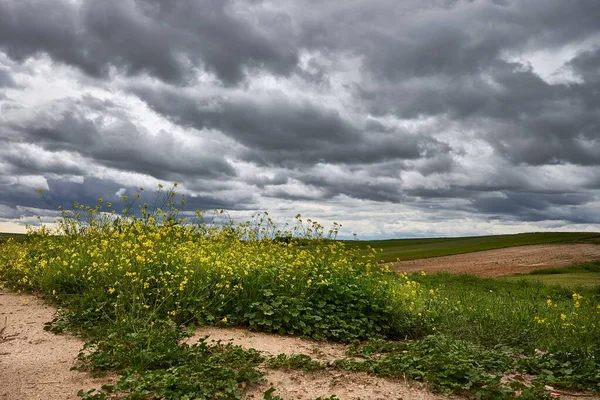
[394, 118]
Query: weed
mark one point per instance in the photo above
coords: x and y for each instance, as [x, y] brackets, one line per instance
[294, 361]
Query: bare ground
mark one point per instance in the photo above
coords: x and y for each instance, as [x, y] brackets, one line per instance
[35, 364]
[298, 385]
[507, 261]
[310, 385]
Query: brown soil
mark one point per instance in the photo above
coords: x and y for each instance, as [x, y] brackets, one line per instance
[35, 364]
[512, 260]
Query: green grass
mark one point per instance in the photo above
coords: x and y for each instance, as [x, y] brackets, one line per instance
[412, 249]
[574, 280]
[585, 275]
[15, 236]
[499, 312]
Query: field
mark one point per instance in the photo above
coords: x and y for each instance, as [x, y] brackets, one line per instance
[136, 289]
[583, 275]
[412, 249]
[5, 236]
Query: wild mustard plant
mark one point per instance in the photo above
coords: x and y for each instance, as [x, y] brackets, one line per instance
[155, 264]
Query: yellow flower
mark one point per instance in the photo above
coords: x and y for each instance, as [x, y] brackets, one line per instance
[111, 290]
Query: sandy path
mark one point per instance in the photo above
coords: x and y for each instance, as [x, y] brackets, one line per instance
[272, 344]
[35, 364]
[505, 261]
[301, 385]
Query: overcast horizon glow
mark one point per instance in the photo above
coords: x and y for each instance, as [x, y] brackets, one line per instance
[396, 119]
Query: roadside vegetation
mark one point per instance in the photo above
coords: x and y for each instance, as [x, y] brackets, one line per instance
[135, 284]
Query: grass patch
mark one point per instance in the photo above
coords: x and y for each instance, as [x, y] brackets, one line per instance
[154, 364]
[591, 267]
[586, 275]
[570, 280]
[412, 249]
[13, 236]
[294, 361]
[521, 315]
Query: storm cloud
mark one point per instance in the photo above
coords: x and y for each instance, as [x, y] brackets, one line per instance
[438, 117]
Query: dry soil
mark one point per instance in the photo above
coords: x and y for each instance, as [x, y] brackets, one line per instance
[35, 364]
[507, 261]
[298, 385]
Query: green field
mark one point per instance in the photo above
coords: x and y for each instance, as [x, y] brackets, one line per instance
[412, 249]
[5, 236]
[577, 276]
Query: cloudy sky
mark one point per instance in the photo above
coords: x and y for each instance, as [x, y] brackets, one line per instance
[394, 118]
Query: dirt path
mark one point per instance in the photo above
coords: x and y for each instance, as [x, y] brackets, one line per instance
[505, 261]
[35, 364]
[298, 385]
[301, 385]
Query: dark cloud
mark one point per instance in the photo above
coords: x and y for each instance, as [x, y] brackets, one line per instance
[587, 65]
[440, 38]
[166, 39]
[115, 142]
[24, 161]
[14, 198]
[6, 80]
[280, 130]
[529, 205]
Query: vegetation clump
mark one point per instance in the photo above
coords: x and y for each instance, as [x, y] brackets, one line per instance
[133, 282]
